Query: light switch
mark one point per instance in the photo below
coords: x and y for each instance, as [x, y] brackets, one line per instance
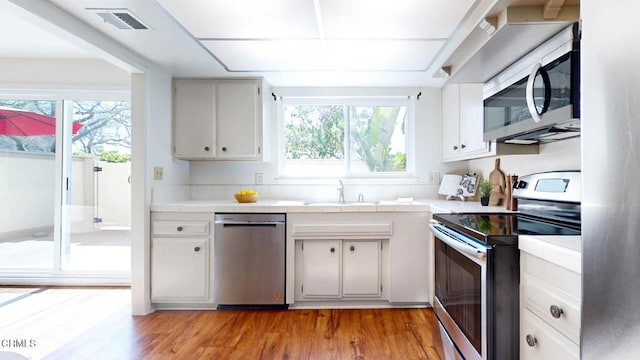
[259, 178]
[158, 173]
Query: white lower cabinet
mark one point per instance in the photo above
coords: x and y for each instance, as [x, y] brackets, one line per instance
[539, 340]
[361, 268]
[320, 260]
[180, 269]
[181, 259]
[550, 300]
[337, 269]
[367, 257]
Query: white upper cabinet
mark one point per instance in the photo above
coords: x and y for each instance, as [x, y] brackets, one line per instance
[218, 119]
[462, 122]
[195, 119]
[239, 119]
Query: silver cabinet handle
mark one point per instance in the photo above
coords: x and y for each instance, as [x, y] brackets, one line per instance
[531, 340]
[556, 311]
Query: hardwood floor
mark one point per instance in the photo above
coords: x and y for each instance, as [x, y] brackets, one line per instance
[97, 324]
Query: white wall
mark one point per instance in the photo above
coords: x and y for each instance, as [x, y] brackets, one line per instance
[151, 122]
[173, 186]
[561, 155]
[219, 180]
[61, 73]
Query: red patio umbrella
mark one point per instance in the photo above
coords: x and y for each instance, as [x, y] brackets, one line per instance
[16, 122]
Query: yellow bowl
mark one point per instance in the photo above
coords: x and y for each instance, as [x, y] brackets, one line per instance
[246, 198]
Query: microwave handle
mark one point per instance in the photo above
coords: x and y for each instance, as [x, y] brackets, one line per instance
[531, 104]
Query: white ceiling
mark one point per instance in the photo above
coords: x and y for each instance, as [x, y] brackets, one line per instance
[289, 42]
[320, 35]
[22, 39]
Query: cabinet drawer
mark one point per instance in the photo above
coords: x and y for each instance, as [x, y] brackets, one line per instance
[546, 342]
[173, 228]
[561, 278]
[546, 301]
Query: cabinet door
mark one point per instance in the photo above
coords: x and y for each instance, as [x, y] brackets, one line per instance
[195, 119]
[471, 119]
[238, 119]
[538, 340]
[180, 269]
[321, 268]
[450, 121]
[361, 268]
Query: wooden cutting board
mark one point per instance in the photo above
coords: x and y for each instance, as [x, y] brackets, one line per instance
[496, 177]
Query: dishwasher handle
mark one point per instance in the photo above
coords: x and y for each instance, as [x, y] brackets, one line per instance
[231, 223]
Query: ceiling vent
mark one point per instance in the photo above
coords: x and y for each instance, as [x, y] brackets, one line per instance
[120, 18]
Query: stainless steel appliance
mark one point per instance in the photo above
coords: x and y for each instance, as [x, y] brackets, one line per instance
[610, 326]
[537, 99]
[477, 267]
[249, 260]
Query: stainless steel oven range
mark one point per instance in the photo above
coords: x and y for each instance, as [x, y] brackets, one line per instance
[477, 268]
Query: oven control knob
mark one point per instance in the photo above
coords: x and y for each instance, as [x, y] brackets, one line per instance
[556, 311]
[531, 340]
[522, 184]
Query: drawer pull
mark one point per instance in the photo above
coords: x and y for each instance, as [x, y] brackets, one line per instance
[196, 249]
[352, 248]
[556, 311]
[179, 228]
[531, 340]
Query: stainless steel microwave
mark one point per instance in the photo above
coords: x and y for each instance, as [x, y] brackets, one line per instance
[537, 99]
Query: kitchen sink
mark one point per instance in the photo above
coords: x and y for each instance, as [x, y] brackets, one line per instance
[336, 203]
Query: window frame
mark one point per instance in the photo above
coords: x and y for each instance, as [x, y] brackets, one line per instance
[347, 102]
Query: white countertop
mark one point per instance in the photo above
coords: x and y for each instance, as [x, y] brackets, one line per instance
[426, 205]
[565, 250]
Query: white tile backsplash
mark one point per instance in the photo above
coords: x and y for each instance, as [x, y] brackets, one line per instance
[313, 192]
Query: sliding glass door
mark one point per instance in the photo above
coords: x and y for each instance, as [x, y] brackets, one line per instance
[27, 184]
[65, 184]
[99, 202]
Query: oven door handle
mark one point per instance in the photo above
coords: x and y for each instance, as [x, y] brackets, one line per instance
[479, 253]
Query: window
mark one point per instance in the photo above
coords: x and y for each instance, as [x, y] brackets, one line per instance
[345, 137]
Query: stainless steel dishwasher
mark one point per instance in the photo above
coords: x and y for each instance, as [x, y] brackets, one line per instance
[249, 260]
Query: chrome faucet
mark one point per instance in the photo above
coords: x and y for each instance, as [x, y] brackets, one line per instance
[341, 192]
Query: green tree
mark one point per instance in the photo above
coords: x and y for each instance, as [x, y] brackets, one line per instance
[371, 130]
[314, 132]
[318, 132]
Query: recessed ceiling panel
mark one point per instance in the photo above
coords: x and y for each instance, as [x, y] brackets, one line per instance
[381, 55]
[406, 19]
[250, 19]
[268, 55]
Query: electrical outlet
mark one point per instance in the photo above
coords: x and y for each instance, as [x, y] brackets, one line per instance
[434, 178]
[158, 173]
[259, 178]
